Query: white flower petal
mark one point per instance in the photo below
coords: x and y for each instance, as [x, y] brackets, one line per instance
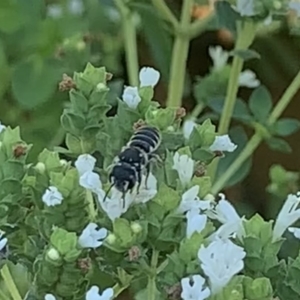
[248, 79]
[295, 231]
[52, 196]
[194, 291]
[287, 216]
[76, 7]
[90, 181]
[146, 192]
[85, 163]
[220, 261]
[93, 294]
[3, 241]
[131, 97]
[148, 77]
[222, 143]
[184, 165]
[195, 222]
[49, 297]
[219, 57]
[188, 127]
[246, 8]
[2, 127]
[92, 236]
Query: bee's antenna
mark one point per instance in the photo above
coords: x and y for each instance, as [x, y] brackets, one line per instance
[109, 189]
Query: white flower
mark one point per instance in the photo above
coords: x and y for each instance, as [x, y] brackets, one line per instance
[3, 241]
[54, 11]
[115, 205]
[245, 8]
[219, 57]
[146, 191]
[288, 215]
[49, 297]
[76, 7]
[220, 261]
[52, 196]
[90, 181]
[294, 230]
[184, 165]
[85, 163]
[191, 201]
[93, 294]
[222, 143]
[2, 127]
[188, 127]
[195, 222]
[248, 79]
[131, 97]
[92, 236]
[225, 213]
[148, 77]
[194, 291]
[295, 6]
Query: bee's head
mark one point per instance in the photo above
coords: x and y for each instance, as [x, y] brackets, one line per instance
[123, 177]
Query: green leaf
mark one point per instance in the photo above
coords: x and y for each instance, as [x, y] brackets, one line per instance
[260, 103]
[50, 159]
[167, 197]
[28, 78]
[259, 288]
[286, 126]
[63, 241]
[279, 145]
[123, 230]
[204, 183]
[203, 155]
[79, 101]
[246, 54]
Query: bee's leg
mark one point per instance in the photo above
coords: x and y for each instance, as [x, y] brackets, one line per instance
[148, 169]
[139, 180]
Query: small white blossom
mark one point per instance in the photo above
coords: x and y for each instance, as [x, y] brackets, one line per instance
[219, 57]
[220, 261]
[196, 222]
[295, 231]
[248, 79]
[287, 216]
[184, 165]
[54, 11]
[194, 291]
[93, 294]
[223, 143]
[148, 77]
[245, 8]
[131, 97]
[90, 181]
[85, 163]
[2, 127]
[3, 241]
[147, 190]
[295, 6]
[191, 201]
[188, 127]
[76, 7]
[226, 214]
[92, 236]
[52, 196]
[49, 297]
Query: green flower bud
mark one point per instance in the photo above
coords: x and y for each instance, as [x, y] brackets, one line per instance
[40, 167]
[136, 227]
[111, 239]
[53, 254]
[209, 197]
[63, 162]
[101, 87]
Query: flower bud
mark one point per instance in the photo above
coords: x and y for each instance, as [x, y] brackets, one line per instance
[53, 254]
[209, 197]
[40, 167]
[63, 162]
[111, 239]
[101, 87]
[136, 227]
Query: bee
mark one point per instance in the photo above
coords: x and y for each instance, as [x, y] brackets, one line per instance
[135, 159]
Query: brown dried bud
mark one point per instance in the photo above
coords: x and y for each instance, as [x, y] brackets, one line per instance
[134, 253]
[140, 123]
[174, 292]
[200, 170]
[20, 150]
[66, 84]
[180, 113]
[84, 264]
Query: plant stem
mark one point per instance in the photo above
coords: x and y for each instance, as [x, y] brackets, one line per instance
[9, 283]
[91, 207]
[165, 12]
[197, 110]
[199, 26]
[151, 288]
[179, 57]
[130, 42]
[245, 37]
[257, 138]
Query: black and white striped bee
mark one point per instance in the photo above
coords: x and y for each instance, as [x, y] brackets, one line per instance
[135, 159]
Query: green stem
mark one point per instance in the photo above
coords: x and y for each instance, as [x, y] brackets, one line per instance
[91, 207]
[9, 283]
[165, 12]
[151, 287]
[118, 289]
[130, 42]
[197, 110]
[257, 138]
[179, 57]
[245, 37]
[199, 26]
